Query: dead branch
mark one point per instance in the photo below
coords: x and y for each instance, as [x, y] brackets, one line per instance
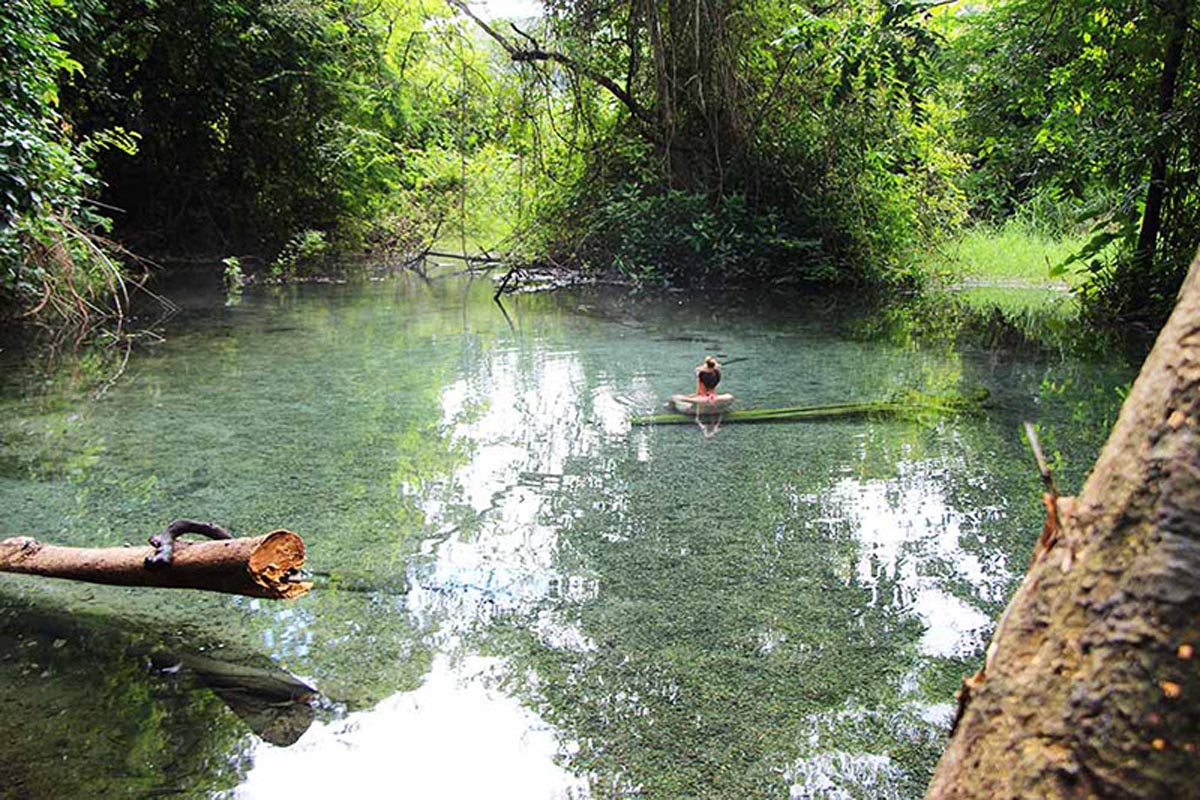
[537, 54]
[463, 257]
[266, 566]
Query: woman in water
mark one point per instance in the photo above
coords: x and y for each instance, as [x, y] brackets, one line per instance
[708, 375]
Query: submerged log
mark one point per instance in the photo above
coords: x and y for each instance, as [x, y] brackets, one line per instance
[870, 408]
[265, 566]
[908, 405]
[1090, 686]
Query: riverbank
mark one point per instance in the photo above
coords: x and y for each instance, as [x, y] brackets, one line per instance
[1014, 254]
[1016, 267]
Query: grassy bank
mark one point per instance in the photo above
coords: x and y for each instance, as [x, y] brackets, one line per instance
[1016, 253]
[1010, 267]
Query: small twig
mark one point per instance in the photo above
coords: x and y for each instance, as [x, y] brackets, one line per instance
[527, 37]
[504, 312]
[108, 384]
[1050, 531]
[963, 697]
[42, 304]
[518, 55]
[484, 259]
[1043, 467]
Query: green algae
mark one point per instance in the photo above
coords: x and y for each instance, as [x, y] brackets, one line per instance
[776, 610]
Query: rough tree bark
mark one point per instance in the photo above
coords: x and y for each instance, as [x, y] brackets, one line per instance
[265, 566]
[1090, 687]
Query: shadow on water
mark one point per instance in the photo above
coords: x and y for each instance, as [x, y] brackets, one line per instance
[517, 591]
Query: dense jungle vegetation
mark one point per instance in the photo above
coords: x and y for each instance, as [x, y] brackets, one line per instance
[710, 142]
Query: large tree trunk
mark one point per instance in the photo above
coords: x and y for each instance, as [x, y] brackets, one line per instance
[265, 566]
[1090, 686]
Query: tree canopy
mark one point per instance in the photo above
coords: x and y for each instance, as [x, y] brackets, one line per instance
[706, 142]
[1096, 102]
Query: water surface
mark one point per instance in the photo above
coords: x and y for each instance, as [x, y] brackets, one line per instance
[518, 593]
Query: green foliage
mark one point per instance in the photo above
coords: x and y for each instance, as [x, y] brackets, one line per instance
[232, 276]
[792, 145]
[1067, 99]
[257, 119]
[1017, 251]
[676, 238]
[732, 142]
[39, 169]
[50, 265]
[302, 256]
[890, 165]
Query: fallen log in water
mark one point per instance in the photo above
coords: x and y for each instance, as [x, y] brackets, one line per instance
[790, 414]
[265, 566]
[910, 405]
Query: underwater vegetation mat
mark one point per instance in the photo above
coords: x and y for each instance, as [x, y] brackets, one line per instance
[910, 405]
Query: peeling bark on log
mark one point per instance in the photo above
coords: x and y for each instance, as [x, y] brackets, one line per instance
[265, 566]
[1091, 686]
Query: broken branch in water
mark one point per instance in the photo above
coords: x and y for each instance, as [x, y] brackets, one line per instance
[265, 566]
[481, 259]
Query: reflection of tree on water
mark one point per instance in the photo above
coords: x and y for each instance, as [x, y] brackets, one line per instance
[95, 707]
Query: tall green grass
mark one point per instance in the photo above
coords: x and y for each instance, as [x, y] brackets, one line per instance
[1016, 252]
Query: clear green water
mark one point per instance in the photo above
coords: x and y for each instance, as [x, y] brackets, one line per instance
[517, 594]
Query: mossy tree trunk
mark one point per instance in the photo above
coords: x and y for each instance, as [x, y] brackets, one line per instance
[1091, 686]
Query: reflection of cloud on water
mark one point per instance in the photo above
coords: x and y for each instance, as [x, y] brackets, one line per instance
[522, 416]
[455, 736]
[493, 554]
[518, 419]
[534, 404]
[826, 774]
[291, 635]
[837, 764]
[911, 547]
[466, 583]
[609, 412]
